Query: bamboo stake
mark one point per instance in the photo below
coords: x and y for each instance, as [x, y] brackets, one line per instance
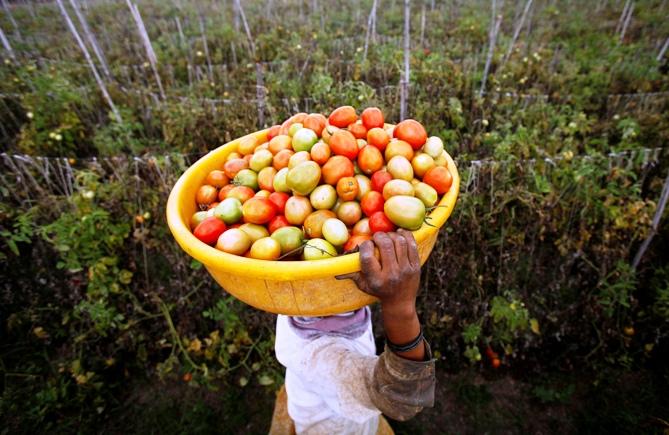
[206, 48]
[516, 32]
[404, 96]
[422, 24]
[91, 39]
[17, 33]
[663, 50]
[494, 30]
[240, 10]
[664, 196]
[147, 45]
[621, 20]
[627, 22]
[89, 60]
[370, 23]
[6, 45]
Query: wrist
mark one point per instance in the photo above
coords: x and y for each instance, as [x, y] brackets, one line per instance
[398, 310]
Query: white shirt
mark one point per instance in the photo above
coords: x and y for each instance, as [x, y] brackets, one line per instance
[327, 381]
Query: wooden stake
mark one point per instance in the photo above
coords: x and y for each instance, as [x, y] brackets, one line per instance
[494, 30]
[150, 54]
[91, 39]
[662, 203]
[516, 32]
[6, 45]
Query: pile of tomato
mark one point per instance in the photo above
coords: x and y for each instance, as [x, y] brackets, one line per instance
[321, 186]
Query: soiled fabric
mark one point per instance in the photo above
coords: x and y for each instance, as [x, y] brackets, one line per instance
[338, 385]
[348, 325]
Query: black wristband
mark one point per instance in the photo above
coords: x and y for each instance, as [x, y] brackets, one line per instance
[405, 347]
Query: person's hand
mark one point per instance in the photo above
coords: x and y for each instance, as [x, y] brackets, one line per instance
[394, 278]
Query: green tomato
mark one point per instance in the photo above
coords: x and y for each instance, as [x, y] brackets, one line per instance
[304, 177]
[246, 177]
[294, 129]
[279, 183]
[426, 193]
[229, 210]
[318, 249]
[397, 187]
[323, 197]
[254, 231]
[197, 218]
[260, 159]
[335, 231]
[406, 212]
[304, 139]
[290, 238]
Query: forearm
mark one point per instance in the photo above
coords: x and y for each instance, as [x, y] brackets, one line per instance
[401, 326]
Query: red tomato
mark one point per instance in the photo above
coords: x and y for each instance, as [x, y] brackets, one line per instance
[378, 137]
[343, 143]
[372, 202]
[347, 188]
[258, 210]
[242, 193]
[411, 131]
[370, 159]
[217, 178]
[355, 240]
[277, 222]
[496, 363]
[315, 122]
[379, 222]
[336, 168]
[206, 195]
[209, 229]
[372, 117]
[279, 200]
[379, 179]
[358, 130]
[223, 193]
[439, 178]
[273, 132]
[320, 153]
[233, 166]
[342, 116]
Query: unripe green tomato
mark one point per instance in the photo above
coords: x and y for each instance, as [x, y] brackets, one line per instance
[406, 212]
[246, 177]
[254, 231]
[318, 249]
[260, 159]
[229, 210]
[304, 177]
[335, 231]
[426, 193]
[433, 147]
[400, 168]
[304, 139]
[397, 187]
[323, 197]
[280, 184]
[297, 158]
[294, 129]
[442, 160]
[197, 217]
[290, 238]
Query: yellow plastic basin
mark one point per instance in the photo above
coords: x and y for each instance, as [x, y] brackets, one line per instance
[303, 288]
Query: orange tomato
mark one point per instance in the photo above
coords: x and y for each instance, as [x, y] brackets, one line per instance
[206, 195]
[336, 168]
[298, 117]
[370, 159]
[343, 143]
[217, 178]
[378, 137]
[242, 193]
[233, 166]
[280, 142]
[320, 153]
[209, 207]
[327, 132]
[247, 145]
[315, 122]
[266, 178]
[439, 178]
[399, 148]
[313, 224]
[412, 132]
[347, 188]
[222, 194]
[358, 130]
[372, 117]
[343, 116]
[273, 132]
[281, 159]
[258, 210]
[355, 240]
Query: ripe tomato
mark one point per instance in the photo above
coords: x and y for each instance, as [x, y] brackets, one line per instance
[355, 240]
[209, 229]
[440, 178]
[206, 195]
[343, 143]
[222, 194]
[217, 178]
[265, 249]
[273, 132]
[496, 363]
[234, 241]
[347, 188]
[313, 224]
[378, 138]
[281, 159]
[336, 168]
[379, 222]
[277, 222]
[361, 228]
[320, 153]
[370, 159]
[372, 202]
[372, 117]
[266, 178]
[405, 211]
[247, 145]
[242, 193]
[412, 132]
[342, 116]
[379, 179]
[232, 167]
[280, 142]
[209, 207]
[358, 130]
[327, 133]
[279, 200]
[297, 209]
[315, 122]
[400, 168]
[398, 148]
[298, 118]
[258, 210]
[349, 212]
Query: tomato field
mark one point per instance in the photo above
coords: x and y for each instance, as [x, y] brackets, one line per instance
[545, 300]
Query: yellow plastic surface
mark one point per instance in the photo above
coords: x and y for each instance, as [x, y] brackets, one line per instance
[303, 288]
